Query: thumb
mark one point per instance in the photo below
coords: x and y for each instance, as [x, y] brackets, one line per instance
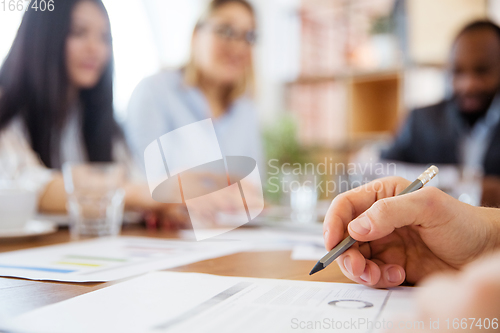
[388, 214]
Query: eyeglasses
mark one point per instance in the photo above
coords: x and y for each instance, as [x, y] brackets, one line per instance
[228, 33]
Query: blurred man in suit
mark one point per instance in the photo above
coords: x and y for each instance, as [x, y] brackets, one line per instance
[464, 129]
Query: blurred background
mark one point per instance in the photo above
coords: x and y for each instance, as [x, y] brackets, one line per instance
[332, 76]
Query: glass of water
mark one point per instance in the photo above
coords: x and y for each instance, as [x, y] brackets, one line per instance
[95, 198]
[303, 199]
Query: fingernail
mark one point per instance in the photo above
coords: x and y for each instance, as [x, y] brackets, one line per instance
[393, 275]
[325, 235]
[366, 276]
[361, 225]
[347, 264]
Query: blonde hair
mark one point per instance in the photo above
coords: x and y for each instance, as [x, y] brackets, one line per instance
[192, 73]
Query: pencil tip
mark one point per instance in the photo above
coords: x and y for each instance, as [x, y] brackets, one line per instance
[318, 267]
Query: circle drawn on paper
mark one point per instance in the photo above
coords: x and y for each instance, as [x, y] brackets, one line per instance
[350, 304]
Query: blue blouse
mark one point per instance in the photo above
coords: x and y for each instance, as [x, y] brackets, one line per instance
[164, 102]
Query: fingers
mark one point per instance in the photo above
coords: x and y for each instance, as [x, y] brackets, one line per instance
[334, 232]
[373, 273]
[390, 276]
[418, 208]
[352, 261]
[347, 206]
[359, 270]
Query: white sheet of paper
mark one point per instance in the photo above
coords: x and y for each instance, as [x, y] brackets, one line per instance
[108, 259]
[192, 302]
[308, 252]
[266, 239]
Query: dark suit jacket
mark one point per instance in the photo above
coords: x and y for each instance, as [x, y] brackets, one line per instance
[432, 135]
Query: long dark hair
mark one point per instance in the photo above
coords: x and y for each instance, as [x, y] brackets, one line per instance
[34, 86]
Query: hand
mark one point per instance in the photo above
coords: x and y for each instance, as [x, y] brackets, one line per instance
[169, 216]
[213, 203]
[468, 299]
[208, 195]
[473, 293]
[406, 237]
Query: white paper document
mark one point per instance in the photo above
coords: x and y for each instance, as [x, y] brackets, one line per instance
[263, 239]
[308, 252]
[108, 259]
[192, 302]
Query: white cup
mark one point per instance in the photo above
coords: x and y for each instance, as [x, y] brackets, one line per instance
[17, 207]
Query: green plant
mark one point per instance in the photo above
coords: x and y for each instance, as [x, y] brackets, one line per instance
[382, 25]
[282, 145]
[281, 142]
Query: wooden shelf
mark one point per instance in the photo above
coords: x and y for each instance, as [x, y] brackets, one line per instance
[333, 111]
[338, 105]
[374, 104]
[346, 75]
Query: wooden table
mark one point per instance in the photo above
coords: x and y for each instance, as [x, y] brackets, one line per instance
[18, 295]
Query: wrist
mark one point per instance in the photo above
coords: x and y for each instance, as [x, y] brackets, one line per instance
[491, 219]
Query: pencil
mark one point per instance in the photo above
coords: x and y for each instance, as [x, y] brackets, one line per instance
[423, 179]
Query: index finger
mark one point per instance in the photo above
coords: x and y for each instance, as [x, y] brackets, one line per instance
[349, 205]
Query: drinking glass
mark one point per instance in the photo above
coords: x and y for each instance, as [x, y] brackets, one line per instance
[303, 199]
[95, 198]
[469, 188]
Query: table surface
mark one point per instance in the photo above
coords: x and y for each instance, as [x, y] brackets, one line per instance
[19, 295]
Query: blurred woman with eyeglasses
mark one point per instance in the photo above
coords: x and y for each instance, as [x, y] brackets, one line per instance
[217, 83]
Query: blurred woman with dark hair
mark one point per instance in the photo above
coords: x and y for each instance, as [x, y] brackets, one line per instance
[56, 100]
